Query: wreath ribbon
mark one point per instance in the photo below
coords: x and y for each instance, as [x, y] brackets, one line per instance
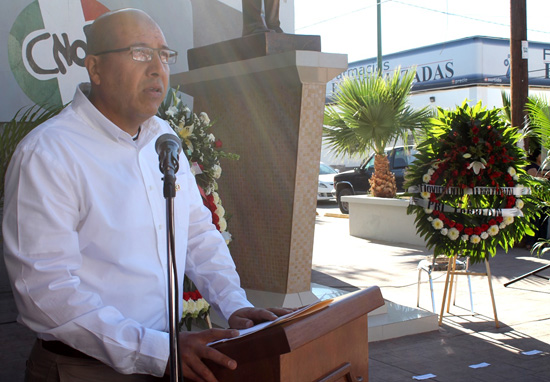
[515, 191]
[471, 211]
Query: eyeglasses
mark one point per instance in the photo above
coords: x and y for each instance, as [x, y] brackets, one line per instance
[144, 54]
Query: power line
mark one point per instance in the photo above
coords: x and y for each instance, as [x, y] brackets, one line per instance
[420, 7]
[342, 15]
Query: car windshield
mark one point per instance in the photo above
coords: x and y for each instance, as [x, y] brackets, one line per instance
[326, 170]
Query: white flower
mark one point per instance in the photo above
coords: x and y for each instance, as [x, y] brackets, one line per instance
[453, 234]
[502, 225]
[508, 220]
[437, 223]
[220, 211]
[431, 171]
[425, 195]
[203, 117]
[428, 211]
[493, 230]
[216, 171]
[477, 166]
[435, 165]
[430, 219]
[519, 203]
[185, 306]
[474, 239]
[464, 237]
[216, 197]
[222, 224]
[227, 237]
[484, 235]
[515, 177]
[426, 178]
[511, 171]
[444, 231]
[186, 110]
[211, 137]
[172, 110]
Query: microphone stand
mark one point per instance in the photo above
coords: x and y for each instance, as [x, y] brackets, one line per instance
[167, 168]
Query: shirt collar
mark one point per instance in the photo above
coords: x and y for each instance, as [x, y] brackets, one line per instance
[83, 107]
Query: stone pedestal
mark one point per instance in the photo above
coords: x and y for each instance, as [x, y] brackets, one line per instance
[269, 110]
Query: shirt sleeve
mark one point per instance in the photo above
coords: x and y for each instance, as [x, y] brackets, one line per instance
[209, 263]
[42, 254]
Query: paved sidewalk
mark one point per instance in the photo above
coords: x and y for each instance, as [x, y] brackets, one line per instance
[523, 309]
[349, 263]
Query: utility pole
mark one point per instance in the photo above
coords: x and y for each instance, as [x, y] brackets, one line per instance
[519, 73]
[379, 36]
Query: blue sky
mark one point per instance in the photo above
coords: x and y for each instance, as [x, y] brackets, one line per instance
[349, 26]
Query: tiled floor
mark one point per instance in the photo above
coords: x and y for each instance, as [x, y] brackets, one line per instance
[347, 263]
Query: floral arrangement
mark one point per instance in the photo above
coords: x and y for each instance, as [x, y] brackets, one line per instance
[467, 184]
[195, 309]
[203, 151]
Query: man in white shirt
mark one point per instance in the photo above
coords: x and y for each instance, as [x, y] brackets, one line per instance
[84, 225]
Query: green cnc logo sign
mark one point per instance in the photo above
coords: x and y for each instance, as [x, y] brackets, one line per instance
[47, 46]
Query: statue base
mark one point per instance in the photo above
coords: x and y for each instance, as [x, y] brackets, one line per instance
[245, 48]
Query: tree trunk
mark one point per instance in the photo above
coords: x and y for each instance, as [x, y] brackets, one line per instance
[382, 182]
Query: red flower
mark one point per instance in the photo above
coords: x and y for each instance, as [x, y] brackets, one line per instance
[475, 140]
[468, 230]
[218, 144]
[492, 222]
[477, 230]
[499, 219]
[459, 227]
[475, 130]
[484, 227]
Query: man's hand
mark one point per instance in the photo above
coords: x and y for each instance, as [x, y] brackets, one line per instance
[247, 317]
[193, 350]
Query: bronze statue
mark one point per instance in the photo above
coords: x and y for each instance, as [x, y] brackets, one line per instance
[252, 17]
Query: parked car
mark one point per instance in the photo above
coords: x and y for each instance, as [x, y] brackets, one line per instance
[356, 181]
[325, 190]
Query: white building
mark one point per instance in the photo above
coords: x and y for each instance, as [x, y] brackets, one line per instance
[474, 69]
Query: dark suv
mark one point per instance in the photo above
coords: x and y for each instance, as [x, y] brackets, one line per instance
[356, 181]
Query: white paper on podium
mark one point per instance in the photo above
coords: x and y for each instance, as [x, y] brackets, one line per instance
[302, 312]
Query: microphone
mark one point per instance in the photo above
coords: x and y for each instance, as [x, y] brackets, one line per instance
[168, 147]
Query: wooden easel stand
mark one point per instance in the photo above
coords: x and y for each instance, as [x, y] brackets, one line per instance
[451, 272]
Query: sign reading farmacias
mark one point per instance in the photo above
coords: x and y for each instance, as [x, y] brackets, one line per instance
[47, 46]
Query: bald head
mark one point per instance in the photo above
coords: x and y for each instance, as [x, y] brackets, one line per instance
[109, 29]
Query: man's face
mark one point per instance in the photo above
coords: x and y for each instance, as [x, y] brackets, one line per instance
[129, 92]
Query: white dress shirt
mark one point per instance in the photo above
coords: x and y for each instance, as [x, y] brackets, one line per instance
[85, 239]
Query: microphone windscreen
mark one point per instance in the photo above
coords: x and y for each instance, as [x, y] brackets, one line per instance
[167, 140]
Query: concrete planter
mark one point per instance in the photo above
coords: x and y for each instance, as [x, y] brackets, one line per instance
[382, 219]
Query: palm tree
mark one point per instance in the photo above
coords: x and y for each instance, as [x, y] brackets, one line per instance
[538, 111]
[371, 113]
[13, 131]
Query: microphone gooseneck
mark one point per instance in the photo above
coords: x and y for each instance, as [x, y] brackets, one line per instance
[168, 147]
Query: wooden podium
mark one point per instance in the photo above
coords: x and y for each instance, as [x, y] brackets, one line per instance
[330, 345]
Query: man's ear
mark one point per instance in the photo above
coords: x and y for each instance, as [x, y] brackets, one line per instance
[92, 65]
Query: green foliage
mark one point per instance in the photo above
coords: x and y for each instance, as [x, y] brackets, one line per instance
[199, 144]
[371, 113]
[539, 127]
[471, 153]
[15, 130]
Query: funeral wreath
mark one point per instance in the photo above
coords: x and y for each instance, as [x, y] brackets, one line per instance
[468, 188]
